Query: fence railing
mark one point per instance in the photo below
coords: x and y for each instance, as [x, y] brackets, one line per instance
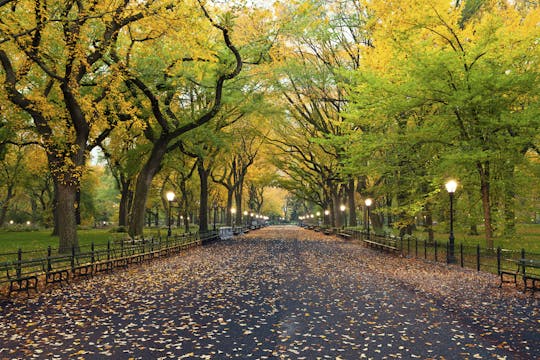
[22, 270]
[475, 257]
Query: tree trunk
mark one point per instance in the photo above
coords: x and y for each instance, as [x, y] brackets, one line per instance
[142, 186]
[228, 215]
[203, 208]
[126, 195]
[5, 204]
[238, 202]
[336, 213]
[67, 224]
[509, 201]
[351, 203]
[429, 227]
[483, 170]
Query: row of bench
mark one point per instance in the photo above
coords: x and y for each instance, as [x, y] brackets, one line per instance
[523, 270]
[526, 269]
[24, 275]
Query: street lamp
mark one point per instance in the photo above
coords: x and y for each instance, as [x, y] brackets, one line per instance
[342, 208]
[451, 187]
[368, 203]
[170, 197]
[326, 213]
[233, 214]
[245, 217]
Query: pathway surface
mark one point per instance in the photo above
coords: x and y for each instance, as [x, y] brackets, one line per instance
[278, 293]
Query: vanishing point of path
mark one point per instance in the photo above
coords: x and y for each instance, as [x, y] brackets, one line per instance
[277, 293]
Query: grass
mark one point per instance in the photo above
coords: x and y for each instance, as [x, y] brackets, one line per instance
[527, 237]
[37, 241]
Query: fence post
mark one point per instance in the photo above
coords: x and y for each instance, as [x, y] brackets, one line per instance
[415, 247]
[461, 253]
[435, 243]
[408, 246]
[498, 260]
[425, 249]
[523, 253]
[93, 255]
[49, 252]
[108, 249]
[18, 269]
[478, 257]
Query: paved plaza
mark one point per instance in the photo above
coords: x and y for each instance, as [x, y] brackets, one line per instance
[276, 293]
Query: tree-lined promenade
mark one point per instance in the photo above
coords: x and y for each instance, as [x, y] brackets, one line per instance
[279, 292]
[105, 107]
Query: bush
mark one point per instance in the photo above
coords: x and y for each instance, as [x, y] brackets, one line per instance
[21, 227]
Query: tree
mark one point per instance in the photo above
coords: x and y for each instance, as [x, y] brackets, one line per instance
[54, 71]
[167, 110]
[467, 77]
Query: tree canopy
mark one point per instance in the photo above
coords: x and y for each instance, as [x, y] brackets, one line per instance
[332, 101]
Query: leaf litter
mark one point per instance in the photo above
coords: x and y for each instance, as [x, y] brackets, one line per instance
[279, 292]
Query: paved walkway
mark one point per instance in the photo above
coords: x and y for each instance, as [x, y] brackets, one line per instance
[278, 293]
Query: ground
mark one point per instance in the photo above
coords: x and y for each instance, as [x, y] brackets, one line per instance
[279, 292]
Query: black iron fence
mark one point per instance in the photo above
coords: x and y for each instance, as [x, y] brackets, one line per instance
[495, 260]
[23, 270]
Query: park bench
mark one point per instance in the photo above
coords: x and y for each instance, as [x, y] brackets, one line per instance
[344, 235]
[22, 275]
[523, 269]
[382, 243]
[56, 268]
[82, 264]
[327, 231]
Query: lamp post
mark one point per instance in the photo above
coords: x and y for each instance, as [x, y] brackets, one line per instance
[368, 203]
[326, 220]
[170, 197]
[245, 218]
[451, 187]
[233, 214]
[343, 216]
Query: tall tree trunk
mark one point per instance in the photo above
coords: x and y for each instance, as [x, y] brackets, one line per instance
[351, 203]
[238, 202]
[5, 204]
[228, 214]
[67, 223]
[203, 208]
[509, 201]
[483, 170]
[335, 211]
[126, 196]
[429, 226]
[142, 186]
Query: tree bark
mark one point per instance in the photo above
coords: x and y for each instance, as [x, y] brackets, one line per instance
[67, 223]
[351, 203]
[203, 208]
[142, 186]
[5, 204]
[483, 170]
[238, 202]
